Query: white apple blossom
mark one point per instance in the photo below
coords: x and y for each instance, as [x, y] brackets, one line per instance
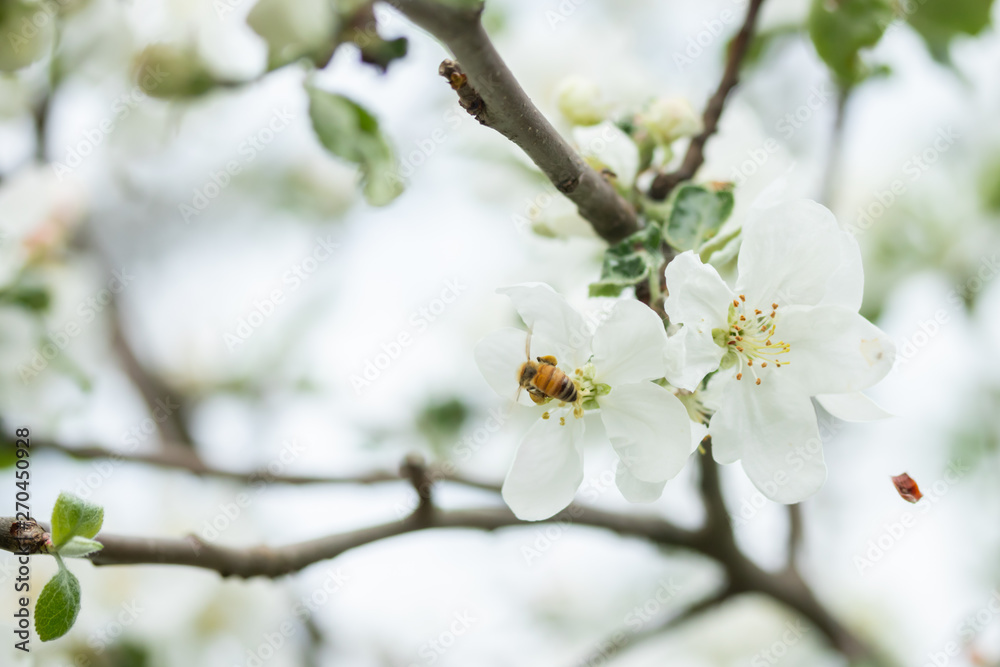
[789, 331]
[612, 369]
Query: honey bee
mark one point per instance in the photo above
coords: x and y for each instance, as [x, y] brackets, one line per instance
[543, 380]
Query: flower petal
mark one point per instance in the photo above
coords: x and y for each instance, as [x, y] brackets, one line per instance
[630, 346]
[773, 429]
[499, 356]
[635, 490]
[833, 350]
[796, 253]
[697, 294]
[549, 316]
[698, 299]
[690, 357]
[855, 407]
[547, 468]
[649, 428]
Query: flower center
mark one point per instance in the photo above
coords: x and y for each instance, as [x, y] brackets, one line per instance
[751, 340]
[587, 390]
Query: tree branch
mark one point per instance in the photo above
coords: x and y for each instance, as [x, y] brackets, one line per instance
[175, 458]
[489, 91]
[267, 561]
[663, 184]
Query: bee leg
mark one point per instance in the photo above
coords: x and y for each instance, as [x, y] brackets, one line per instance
[538, 399]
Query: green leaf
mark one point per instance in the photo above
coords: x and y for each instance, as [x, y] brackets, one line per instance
[74, 516]
[30, 297]
[78, 547]
[629, 262]
[940, 21]
[381, 52]
[349, 131]
[841, 28]
[57, 606]
[696, 215]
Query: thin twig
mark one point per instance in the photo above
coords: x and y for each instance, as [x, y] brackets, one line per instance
[663, 184]
[828, 188]
[795, 531]
[505, 107]
[175, 458]
[622, 641]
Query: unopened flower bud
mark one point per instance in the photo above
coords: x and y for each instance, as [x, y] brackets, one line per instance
[669, 119]
[27, 29]
[579, 101]
[171, 71]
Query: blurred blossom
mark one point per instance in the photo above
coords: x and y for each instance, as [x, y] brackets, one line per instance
[668, 119]
[579, 101]
[38, 212]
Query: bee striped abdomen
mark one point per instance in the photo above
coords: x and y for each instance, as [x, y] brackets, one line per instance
[553, 382]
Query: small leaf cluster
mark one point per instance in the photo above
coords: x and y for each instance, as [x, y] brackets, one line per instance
[75, 522]
[689, 220]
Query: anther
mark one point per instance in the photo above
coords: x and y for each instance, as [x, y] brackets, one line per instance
[743, 318]
[749, 362]
[736, 304]
[758, 381]
[739, 376]
[763, 364]
[562, 420]
[767, 343]
[756, 311]
[545, 415]
[743, 297]
[774, 306]
[739, 347]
